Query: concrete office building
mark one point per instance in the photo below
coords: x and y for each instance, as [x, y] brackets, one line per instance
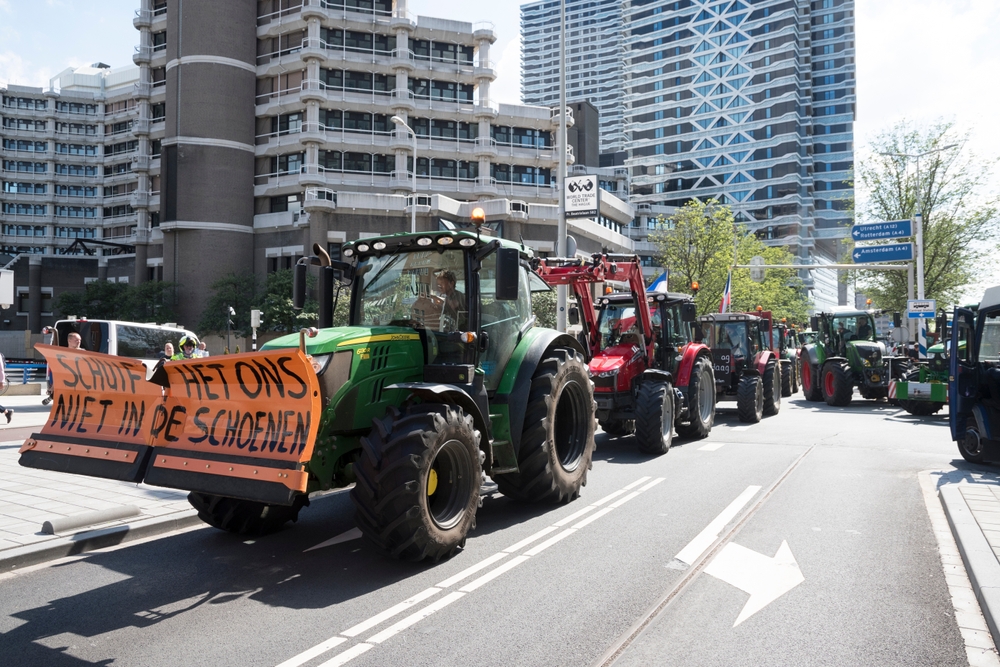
[276, 133]
[751, 103]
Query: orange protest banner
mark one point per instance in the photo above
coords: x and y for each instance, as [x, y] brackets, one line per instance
[99, 397]
[259, 404]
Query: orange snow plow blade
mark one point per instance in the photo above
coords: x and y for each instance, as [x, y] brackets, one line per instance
[237, 425]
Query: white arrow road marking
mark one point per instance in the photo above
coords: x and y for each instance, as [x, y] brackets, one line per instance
[765, 579]
[352, 534]
[704, 539]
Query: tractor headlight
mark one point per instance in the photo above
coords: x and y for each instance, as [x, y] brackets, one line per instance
[866, 362]
[320, 362]
[608, 374]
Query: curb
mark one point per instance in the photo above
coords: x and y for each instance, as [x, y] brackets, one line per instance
[91, 540]
[980, 561]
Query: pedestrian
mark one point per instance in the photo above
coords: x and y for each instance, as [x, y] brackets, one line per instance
[7, 412]
[189, 346]
[168, 351]
[202, 349]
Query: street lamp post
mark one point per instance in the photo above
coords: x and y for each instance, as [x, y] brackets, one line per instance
[561, 290]
[413, 205]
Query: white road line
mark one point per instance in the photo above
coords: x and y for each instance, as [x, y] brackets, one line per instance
[390, 612]
[469, 571]
[342, 658]
[317, 650]
[740, 428]
[704, 539]
[711, 447]
[352, 534]
[347, 656]
[490, 576]
[416, 617]
[528, 540]
[549, 542]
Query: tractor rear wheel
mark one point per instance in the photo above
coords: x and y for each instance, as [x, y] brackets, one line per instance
[810, 382]
[918, 408]
[557, 443]
[837, 387]
[618, 427]
[654, 417]
[795, 376]
[244, 517]
[787, 378]
[750, 399]
[701, 402]
[418, 480]
[772, 387]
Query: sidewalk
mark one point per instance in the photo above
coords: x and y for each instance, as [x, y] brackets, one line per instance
[29, 498]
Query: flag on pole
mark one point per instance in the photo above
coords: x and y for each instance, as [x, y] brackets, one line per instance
[659, 285]
[727, 294]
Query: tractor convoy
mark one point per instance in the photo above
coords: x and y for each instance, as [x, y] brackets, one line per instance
[442, 379]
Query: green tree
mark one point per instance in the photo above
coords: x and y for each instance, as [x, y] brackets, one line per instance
[100, 299]
[696, 245]
[151, 301]
[234, 290]
[543, 306]
[959, 216]
[277, 311]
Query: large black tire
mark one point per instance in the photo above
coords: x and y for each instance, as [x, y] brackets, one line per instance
[244, 517]
[618, 427]
[654, 417]
[810, 382]
[557, 442]
[971, 445]
[787, 378]
[772, 388]
[795, 376]
[701, 402]
[418, 480]
[836, 384]
[918, 408]
[750, 399]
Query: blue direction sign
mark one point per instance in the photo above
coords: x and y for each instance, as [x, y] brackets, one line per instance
[897, 229]
[890, 252]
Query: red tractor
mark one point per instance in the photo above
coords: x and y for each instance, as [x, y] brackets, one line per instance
[648, 372]
[746, 370]
[783, 342]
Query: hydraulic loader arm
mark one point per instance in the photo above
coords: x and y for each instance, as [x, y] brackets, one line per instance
[602, 267]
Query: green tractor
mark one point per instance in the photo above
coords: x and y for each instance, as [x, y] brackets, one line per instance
[923, 389]
[846, 354]
[440, 379]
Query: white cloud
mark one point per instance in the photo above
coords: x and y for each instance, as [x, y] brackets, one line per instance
[507, 87]
[15, 70]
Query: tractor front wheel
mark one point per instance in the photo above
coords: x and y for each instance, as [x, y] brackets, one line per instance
[557, 442]
[618, 427]
[418, 480]
[810, 382]
[971, 446]
[837, 387]
[787, 378]
[772, 387]
[654, 417]
[701, 402]
[795, 377]
[750, 399]
[244, 517]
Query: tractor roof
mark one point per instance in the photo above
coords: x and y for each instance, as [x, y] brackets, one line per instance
[728, 317]
[392, 243]
[990, 298]
[626, 297]
[848, 312]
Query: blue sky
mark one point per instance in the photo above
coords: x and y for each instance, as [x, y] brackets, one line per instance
[918, 60]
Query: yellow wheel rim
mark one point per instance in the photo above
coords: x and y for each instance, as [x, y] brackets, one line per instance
[432, 482]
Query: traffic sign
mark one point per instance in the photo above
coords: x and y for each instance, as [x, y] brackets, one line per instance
[896, 229]
[889, 252]
[921, 309]
[757, 274]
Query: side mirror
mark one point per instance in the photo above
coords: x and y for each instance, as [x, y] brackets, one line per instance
[508, 278]
[699, 333]
[573, 315]
[941, 325]
[299, 286]
[814, 323]
[897, 320]
[765, 325]
[689, 312]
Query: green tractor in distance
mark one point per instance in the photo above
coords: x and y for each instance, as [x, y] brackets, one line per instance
[845, 354]
[440, 378]
[923, 389]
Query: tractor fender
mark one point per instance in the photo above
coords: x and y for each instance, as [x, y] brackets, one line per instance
[982, 421]
[657, 375]
[810, 354]
[527, 355]
[762, 360]
[451, 394]
[692, 351]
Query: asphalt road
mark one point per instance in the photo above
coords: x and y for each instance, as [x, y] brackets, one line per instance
[800, 540]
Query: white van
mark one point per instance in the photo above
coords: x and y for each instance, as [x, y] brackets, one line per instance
[124, 339]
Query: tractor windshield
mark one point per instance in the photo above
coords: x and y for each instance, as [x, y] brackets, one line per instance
[989, 348]
[846, 328]
[421, 290]
[616, 320]
[729, 336]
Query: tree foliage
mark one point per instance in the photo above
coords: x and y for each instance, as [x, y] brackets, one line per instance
[277, 313]
[696, 245]
[543, 306]
[959, 217]
[235, 290]
[105, 300]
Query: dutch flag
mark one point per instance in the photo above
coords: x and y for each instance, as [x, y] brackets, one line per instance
[658, 285]
[726, 294]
